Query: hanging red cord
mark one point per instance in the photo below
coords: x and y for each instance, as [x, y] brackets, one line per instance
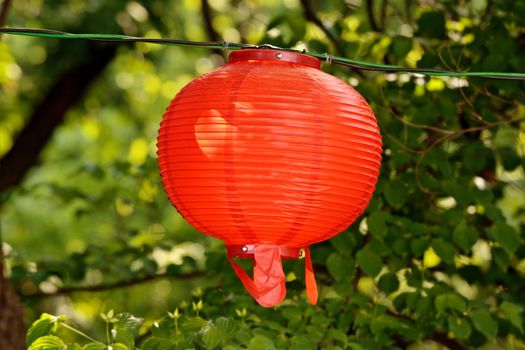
[269, 154]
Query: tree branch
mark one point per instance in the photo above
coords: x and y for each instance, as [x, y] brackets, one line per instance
[3, 282]
[408, 5]
[443, 339]
[370, 13]
[311, 16]
[451, 136]
[12, 325]
[373, 23]
[487, 12]
[5, 10]
[208, 24]
[64, 93]
[3, 16]
[115, 285]
[384, 7]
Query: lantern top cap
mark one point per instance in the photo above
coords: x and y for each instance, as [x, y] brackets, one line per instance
[274, 55]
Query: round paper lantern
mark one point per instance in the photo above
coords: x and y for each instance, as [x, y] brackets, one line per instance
[269, 154]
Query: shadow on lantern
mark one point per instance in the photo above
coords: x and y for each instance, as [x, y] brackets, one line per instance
[214, 135]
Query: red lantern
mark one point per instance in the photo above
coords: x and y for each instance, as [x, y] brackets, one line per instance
[269, 154]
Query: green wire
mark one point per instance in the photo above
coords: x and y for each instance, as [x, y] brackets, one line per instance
[356, 64]
[424, 71]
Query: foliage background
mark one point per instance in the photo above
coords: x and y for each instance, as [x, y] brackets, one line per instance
[437, 260]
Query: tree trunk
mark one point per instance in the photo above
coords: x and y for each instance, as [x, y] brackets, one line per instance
[64, 93]
[12, 327]
[46, 116]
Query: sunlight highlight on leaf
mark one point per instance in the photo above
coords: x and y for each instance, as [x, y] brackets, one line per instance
[430, 258]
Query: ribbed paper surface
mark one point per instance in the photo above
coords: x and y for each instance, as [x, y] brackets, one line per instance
[263, 151]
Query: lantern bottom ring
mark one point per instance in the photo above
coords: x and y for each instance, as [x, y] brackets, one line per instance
[246, 251]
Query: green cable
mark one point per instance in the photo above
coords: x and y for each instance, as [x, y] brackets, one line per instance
[425, 71]
[356, 64]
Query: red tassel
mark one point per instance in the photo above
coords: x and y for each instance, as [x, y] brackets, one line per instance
[268, 286]
[309, 277]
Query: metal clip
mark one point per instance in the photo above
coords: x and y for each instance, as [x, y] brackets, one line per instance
[328, 58]
[268, 46]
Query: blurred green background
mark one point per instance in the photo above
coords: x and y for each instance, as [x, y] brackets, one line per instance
[437, 260]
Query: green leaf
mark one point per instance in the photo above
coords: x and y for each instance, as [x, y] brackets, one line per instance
[501, 257]
[450, 301]
[343, 243]
[338, 335]
[337, 266]
[298, 26]
[369, 262]
[120, 346]
[418, 246]
[476, 156]
[459, 326]
[164, 328]
[125, 329]
[423, 306]
[456, 302]
[39, 328]
[385, 322]
[108, 317]
[228, 327]
[506, 136]
[229, 347]
[156, 344]
[355, 346]
[484, 323]
[260, 342]
[509, 158]
[94, 346]
[396, 194]
[444, 250]
[293, 314]
[212, 337]
[125, 336]
[465, 236]
[377, 223]
[513, 312]
[400, 46]
[388, 283]
[128, 321]
[493, 213]
[45, 325]
[193, 324]
[432, 25]
[506, 236]
[48, 342]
